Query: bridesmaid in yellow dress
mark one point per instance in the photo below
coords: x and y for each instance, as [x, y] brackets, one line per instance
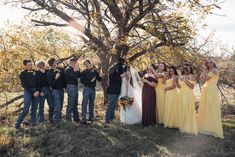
[187, 113]
[160, 92]
[171, 99]
[209, 115]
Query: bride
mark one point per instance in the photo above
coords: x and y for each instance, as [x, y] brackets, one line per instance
[131, 87]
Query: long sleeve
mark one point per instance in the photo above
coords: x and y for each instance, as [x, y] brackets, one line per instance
[62, 77]
[51, 80]
[84, 79]
[72, 74]
[114, 77]
[98, 76]
[39, 82]
[24, 82]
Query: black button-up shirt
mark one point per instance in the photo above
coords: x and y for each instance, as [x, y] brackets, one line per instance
[42, 79]
[56, 83]
[115, 80]
[71, 76]
[88, 75]
[29, 81]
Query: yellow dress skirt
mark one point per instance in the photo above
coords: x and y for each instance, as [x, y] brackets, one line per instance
[160, 101]
[186, 111]
[171, 106]
[209, 115]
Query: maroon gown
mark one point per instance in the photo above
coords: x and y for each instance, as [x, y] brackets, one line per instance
[148, 103]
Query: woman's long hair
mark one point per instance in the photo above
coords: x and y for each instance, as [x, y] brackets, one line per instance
[174, 69]
[186, 68]
[165, 67]
[213, 61]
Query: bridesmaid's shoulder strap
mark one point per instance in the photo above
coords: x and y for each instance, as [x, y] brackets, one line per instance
[213, 72]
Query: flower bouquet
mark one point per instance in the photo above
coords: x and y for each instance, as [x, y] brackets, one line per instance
[125, 101]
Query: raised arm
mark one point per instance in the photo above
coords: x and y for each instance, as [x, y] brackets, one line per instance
[99, 76]
[151, 83]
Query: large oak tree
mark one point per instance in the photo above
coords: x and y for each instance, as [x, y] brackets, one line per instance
[130, 28]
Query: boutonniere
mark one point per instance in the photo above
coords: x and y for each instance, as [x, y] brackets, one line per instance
[30, 71]
[56, 70]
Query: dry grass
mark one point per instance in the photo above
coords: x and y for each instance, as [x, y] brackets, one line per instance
[115, 140]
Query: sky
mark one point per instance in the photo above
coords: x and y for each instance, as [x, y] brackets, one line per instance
[223, 26]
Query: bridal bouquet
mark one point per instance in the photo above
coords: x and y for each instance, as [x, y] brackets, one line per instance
[125, 101]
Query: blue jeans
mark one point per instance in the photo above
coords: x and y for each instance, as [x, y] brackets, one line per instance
[58, 100]
[88, 96]
[72, 91]
[111, 105]
[29, 100]
[47, 96]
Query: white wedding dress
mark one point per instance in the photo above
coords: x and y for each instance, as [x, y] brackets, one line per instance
[132, 114]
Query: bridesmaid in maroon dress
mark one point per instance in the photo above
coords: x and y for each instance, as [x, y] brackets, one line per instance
[149, 99]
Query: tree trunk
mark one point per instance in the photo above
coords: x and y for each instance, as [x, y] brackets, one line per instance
[106, 62]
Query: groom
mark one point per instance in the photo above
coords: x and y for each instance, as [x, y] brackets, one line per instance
[116, 72]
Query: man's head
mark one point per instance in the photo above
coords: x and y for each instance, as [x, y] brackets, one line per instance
[72, 62]
[52, 63]
[28, 64]
[121, 65]
[121, 60]
[40, 64]
[87, 64]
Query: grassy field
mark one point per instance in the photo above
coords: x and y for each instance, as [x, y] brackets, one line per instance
[115, 140]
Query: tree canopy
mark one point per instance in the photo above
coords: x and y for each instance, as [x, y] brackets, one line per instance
[128, 28]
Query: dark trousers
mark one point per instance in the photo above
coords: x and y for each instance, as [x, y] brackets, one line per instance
[29, 100]
[72, 107]
[58, 100]
[88, 96]
[47, 96]
[111, 105]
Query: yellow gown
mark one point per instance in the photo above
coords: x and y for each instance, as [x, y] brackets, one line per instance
[209, 115]
[160, 100]
[171, 106]
[186, 111]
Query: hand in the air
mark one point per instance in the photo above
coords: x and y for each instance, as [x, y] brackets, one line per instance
[76, 68]
[57, 76]
[94, 78]
[152, 69]
[101, 75]
[145, 81]
[122, 75]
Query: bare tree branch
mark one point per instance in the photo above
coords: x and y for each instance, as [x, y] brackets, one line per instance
[44, 23]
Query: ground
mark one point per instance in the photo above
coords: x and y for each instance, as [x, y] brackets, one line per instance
[110, 141]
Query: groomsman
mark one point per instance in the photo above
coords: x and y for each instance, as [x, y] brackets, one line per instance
[56, 80]
[30, 83]
[88, 79]
[72, 74]
[116, 72]
[45, 92]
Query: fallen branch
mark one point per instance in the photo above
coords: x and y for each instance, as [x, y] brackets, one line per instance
[11, 101]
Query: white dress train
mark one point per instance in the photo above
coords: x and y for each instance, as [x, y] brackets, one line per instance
[132, 114]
